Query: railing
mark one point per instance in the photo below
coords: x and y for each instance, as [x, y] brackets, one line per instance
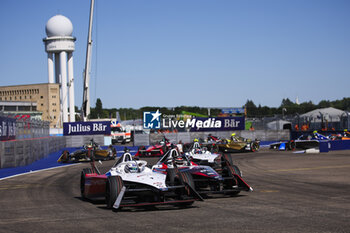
[13, 126]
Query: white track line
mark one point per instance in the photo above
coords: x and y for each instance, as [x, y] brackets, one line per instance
[31, 172]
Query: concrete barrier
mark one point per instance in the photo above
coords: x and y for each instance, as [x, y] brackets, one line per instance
[80, 140]
[187, 137]
[23, 152]
[141, 139]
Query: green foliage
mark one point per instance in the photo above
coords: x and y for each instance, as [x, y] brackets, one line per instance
[252, 110]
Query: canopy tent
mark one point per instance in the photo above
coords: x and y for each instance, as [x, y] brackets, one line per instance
[279, 124]
[328, 114]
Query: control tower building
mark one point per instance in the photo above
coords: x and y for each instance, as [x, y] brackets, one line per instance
[59, 45]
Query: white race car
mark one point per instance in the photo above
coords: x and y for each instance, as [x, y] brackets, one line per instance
[131, 183]
[201, 155]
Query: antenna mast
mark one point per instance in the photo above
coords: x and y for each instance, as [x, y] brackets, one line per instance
[85, 109]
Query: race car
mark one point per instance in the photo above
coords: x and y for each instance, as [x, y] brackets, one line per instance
[130, 183]
[200, 155]
[156, 150]
[89, 151]
[304, 142]
[234, 144]
[206, 180]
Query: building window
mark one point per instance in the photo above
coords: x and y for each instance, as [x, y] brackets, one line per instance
[42, 104]
[41, 97]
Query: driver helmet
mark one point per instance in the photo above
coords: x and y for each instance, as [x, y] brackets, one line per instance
[197, 151]
[195, 140]
[179, 160]
[131, 167]
[233, 134]
[162, 143]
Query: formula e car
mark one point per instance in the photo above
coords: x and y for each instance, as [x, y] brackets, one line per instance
[89, 151]
[206, 180]
[130, 183]
[304, 142]
[232, 145]
[156, 150]
[201, 156]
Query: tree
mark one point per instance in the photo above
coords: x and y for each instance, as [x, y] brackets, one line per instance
[252, 110]
[98, 111]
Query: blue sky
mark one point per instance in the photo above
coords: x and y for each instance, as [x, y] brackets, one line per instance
[188, 52]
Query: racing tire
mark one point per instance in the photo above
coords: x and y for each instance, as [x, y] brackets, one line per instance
[113, 187]
[215, 149]
[291, 145]
[65, 156]
[254, 147]
[82, 181]
[170, 177]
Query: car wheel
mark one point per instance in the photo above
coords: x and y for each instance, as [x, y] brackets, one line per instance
[82, 181]
[113, 187]
[65, 156]
[170, 177]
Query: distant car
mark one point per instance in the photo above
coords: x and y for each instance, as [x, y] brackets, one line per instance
[155, 150]
[304, 142]
[87, 153]
[130, 183]
[227, 180]
[232, 145]
[201, 155]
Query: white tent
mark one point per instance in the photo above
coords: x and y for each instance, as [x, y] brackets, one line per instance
[328, 114]
[278, 124]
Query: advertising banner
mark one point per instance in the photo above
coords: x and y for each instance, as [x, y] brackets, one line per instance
[157, 120]
[7, 128]
[87, 128]
[217, 124]
[233, 110]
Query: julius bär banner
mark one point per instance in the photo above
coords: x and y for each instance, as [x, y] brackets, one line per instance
[87, 128]
[7, 128]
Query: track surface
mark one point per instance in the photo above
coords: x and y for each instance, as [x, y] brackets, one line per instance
[292, 193]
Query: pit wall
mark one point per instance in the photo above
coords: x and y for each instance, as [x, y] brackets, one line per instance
[23, 152]
[187, 137]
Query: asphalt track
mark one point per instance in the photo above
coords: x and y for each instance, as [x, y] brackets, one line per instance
[292, 193]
